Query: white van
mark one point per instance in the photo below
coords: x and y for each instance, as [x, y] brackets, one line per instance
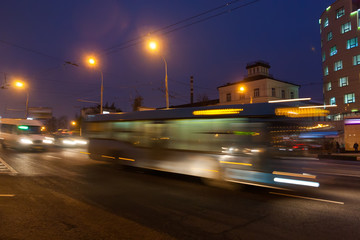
[23, 134]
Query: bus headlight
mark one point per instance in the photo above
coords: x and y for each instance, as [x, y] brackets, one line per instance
[68, 142]
[25, 141]
[81, 142]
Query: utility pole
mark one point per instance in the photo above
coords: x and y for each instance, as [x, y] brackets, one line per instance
[5, 85]
[191, 89]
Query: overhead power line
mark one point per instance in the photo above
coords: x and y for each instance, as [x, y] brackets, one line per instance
[169, 28]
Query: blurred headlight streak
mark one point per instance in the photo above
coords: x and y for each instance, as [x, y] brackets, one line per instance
[218, 111]
[319, 106]
[301, 112]
[289, 100]
[297, 182]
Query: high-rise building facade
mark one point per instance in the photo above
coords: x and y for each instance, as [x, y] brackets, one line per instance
[340, 36]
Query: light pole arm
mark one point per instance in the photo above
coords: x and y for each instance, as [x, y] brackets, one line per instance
[166, 84]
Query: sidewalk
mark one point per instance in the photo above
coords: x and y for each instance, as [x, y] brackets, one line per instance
[352, 156]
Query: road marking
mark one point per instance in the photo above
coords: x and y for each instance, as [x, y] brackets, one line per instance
[294, 174]
[53, 157]
[300, 158]
[85, 153]
[8, 166]
[308, 198]
[104, 156]
[7, 195]
[237, 163]
[127, 159]
[257, 185]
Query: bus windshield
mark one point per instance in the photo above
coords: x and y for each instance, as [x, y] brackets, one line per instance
[25, 129]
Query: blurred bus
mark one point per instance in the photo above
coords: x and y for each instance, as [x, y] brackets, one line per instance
[232, 142]
[23, 134]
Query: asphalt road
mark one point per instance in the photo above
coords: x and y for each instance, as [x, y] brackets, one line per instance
[62, 194]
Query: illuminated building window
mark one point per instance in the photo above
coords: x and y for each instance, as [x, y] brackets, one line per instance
[351, 43]
[328, 86]
[256, 92]
[292, 95]
[228, 97]
[323, 57]
[349, 98]
[333, 51]
[338, 66]
[332, 101]
[329, 36]
[326, 22]
[343, 82]
[282, 93]
[338, 117]
[340, 12]
[326, 71]
[346, 27]
[356, 60]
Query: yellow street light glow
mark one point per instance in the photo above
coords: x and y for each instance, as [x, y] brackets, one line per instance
[92, 61]
[218, 111]
[73, 123]
[242, 89]
[152, 45]
[19, 84]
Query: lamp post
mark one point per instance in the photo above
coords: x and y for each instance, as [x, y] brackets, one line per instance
[153, 47]
[20, 84]
[92, 62]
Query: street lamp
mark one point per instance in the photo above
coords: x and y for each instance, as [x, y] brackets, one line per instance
[153, 47]
[20, 84]
[242, 91]
[92, 62]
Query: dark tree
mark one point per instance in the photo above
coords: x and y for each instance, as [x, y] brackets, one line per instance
[138, 101]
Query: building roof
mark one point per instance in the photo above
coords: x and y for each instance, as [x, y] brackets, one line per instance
[255, 78]
[257, 63]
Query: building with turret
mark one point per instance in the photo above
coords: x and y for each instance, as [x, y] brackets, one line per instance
[258, 86]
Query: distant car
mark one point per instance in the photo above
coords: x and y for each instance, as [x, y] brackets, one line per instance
[66, 139]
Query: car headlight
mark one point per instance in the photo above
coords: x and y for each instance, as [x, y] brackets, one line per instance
[48, 140]
[25, 141]
[68, 142]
